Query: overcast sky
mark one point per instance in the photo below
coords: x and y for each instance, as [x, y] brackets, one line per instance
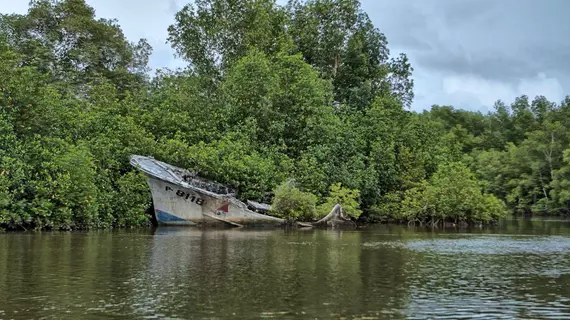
[465, 53]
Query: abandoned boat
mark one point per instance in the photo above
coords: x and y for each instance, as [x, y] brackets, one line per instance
[180, 197]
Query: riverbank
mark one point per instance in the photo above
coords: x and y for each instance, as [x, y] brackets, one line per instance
[253, 114]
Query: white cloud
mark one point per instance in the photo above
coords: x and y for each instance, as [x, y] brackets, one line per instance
[470, 92]
[13, 6]
[488, 91]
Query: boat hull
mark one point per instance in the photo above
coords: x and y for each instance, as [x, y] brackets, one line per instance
[182, 198]
[178, 205]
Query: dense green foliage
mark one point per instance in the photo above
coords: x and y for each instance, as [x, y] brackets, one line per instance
[520, 151]
[292, 204]
[452, 193]
[347, 198]
[305, 91]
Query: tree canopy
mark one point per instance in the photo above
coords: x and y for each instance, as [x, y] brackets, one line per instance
[305, 92]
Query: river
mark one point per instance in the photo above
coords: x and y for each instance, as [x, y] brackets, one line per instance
[519, 269]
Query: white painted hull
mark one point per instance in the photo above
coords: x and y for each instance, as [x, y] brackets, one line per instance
[181, 198]
[177, 205]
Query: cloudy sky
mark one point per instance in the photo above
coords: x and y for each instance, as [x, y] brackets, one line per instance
[466, 53]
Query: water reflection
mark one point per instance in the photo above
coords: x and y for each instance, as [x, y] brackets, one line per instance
[518, 269]
[255, 273]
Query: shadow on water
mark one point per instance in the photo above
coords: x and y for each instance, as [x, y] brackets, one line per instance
[517, 269]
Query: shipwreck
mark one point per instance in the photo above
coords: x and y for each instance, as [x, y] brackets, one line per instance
[181, 197]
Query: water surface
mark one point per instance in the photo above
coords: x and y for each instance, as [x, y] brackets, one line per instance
[517, 270]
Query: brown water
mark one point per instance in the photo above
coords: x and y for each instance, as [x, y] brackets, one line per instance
[518, 270]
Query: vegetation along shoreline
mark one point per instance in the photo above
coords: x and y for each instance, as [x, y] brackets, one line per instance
[300, 106]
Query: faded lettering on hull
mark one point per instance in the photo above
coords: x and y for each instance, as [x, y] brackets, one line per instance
[186, 195]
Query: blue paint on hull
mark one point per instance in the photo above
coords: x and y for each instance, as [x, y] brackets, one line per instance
[162, 216]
